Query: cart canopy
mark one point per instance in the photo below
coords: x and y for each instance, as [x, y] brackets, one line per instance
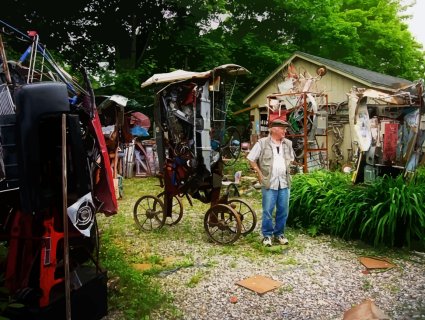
[181, 75]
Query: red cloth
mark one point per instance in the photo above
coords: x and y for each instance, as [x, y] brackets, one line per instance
[139, 119]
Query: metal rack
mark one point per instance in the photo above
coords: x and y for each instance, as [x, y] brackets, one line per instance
[307, 123]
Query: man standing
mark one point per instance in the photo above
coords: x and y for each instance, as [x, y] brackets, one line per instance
[270, 158]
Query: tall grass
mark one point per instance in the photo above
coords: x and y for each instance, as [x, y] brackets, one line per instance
[388, 212]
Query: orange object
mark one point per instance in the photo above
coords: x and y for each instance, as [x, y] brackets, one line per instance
[49, 261]
[365, 310]
[233, 299]
[376, 263]
[259, 284]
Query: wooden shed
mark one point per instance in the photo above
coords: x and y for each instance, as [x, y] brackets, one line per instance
[338, 80]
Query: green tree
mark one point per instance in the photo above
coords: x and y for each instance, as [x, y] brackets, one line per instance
[139, 38]
[371, 34]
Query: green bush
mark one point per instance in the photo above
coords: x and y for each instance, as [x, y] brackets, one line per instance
[241, 164]
[388, 212]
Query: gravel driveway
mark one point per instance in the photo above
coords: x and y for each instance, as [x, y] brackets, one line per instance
[321, 279]
[321, 276]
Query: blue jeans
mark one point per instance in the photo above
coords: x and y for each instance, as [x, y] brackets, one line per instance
[280, 200]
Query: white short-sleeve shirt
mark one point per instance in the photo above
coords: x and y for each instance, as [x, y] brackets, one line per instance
[278, 176]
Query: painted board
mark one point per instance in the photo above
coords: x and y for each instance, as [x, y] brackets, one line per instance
[390, 142]
[362, 125]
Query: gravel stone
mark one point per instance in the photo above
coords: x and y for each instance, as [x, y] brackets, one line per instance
[324, 281]
[321, 277]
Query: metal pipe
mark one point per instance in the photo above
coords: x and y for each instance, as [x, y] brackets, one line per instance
[4, 59]
[65, 222]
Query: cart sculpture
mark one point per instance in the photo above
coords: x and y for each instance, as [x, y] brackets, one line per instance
[193, 146]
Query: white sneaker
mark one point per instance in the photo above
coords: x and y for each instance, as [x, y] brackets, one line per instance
[282, 240]
[267, 242]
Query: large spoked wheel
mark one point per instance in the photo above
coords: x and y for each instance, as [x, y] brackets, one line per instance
[222, 224]
[247, 215]
[231, 146]
[176, 210]
[149, 213]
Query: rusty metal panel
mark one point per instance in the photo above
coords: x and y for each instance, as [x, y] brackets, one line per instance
[390, 142]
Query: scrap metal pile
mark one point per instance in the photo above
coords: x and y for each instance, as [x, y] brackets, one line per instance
[388, 131]
[54, 171]
[304, 106]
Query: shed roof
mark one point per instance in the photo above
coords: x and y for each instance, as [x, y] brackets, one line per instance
[369, 78]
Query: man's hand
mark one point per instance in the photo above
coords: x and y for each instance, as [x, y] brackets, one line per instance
[260, 177]
[257, 170]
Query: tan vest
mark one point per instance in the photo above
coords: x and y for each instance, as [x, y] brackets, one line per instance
[265, 161]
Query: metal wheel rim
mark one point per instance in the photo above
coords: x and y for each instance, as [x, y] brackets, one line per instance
[222, 224]
[247, 215]
[230, 153]
[149, 213]
[176, 212]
